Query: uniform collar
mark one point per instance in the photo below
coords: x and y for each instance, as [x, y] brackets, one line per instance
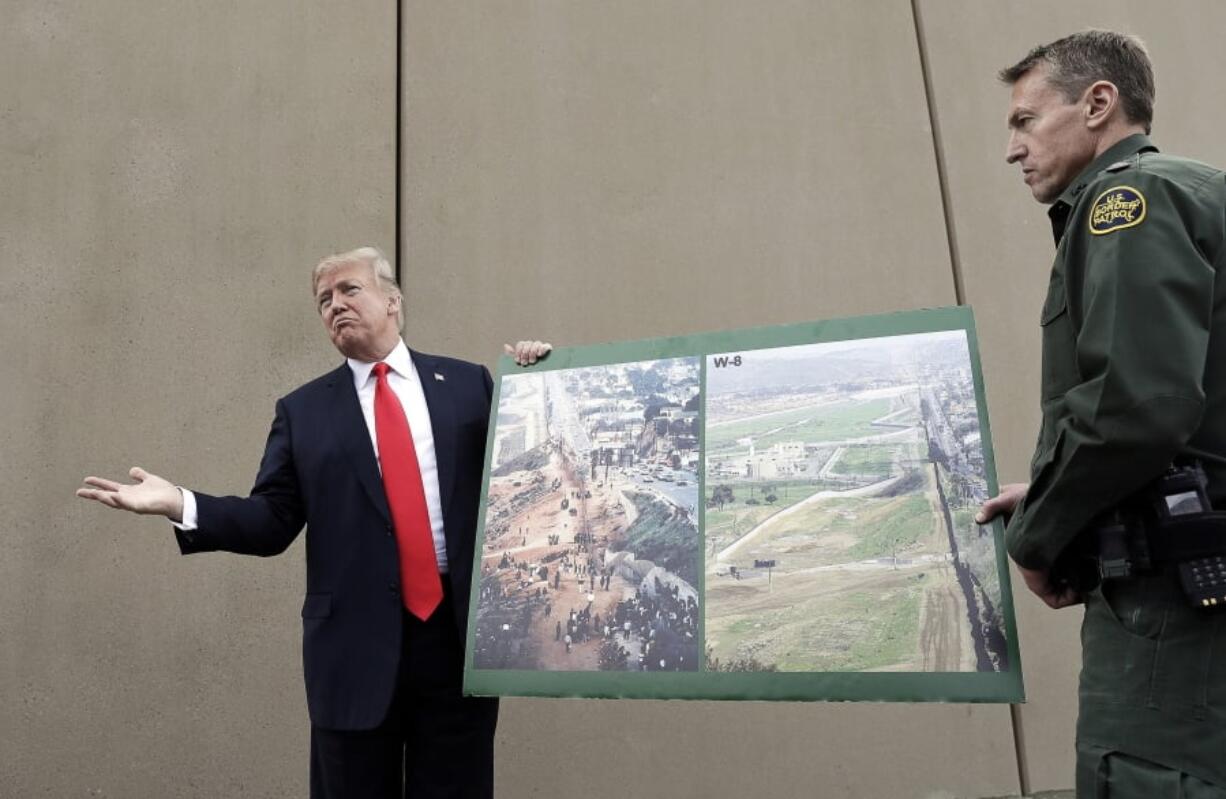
[1122, 149]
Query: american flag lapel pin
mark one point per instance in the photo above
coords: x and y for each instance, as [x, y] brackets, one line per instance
[439, 378]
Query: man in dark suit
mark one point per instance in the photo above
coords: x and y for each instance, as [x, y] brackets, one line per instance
[382, 460]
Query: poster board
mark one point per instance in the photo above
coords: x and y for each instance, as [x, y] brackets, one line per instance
[772, 513]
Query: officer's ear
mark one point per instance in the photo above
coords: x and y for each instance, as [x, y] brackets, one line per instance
[1102, 98]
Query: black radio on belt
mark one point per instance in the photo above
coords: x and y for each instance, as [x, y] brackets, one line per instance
[1168, 523]
[1192, 535]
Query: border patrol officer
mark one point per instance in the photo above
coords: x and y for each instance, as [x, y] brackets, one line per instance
[1133, 381]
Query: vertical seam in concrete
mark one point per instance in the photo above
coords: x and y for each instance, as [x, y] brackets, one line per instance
[398, 248]
[1019, 748]
[955, 263]
[938, 149]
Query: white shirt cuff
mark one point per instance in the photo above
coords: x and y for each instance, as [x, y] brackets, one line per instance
[189, 511]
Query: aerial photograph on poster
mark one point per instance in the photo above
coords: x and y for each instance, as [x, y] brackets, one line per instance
[841, 484]
[590, 549]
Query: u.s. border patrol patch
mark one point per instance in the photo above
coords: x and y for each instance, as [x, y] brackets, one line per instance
[1115, 209]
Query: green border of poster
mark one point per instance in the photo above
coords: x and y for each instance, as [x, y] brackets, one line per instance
[1004, 686]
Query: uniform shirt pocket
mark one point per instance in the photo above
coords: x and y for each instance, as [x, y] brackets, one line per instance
[1059, 342]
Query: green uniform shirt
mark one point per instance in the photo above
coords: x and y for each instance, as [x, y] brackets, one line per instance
[1134, 342]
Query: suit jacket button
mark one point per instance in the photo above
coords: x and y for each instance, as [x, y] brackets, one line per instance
[391, 587]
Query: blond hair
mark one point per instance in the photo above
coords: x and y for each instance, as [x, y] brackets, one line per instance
[371, 257]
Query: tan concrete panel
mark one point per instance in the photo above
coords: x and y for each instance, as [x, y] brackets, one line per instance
[766, 750]
[171, 173]
[597, 171]
[589, 171]
[1004, 240]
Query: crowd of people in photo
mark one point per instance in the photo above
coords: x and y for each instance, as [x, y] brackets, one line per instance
[653, 629]
[650, 631]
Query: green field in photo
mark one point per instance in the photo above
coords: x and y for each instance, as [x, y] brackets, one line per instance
[834, 422]
[875, 460]
[857, 630]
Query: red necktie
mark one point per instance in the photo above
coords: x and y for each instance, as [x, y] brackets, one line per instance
[420, 584]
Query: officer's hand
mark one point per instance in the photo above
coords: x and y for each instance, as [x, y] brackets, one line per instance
[527, 352]
[149, 494]
[1055, 596]
[1004, 502]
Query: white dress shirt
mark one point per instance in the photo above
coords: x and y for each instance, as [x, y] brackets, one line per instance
[406, 384]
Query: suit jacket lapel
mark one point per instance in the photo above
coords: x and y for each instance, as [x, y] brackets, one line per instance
[350, 427]
[442, 423]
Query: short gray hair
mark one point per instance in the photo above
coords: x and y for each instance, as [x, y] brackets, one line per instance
[371, 257]
[1082, 58]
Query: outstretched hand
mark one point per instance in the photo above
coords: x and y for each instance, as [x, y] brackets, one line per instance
[149, 494]
[526, 353]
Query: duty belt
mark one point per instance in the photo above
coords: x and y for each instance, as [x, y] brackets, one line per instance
[1167, 526]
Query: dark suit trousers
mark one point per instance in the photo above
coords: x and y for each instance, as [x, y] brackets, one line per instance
[433, 743]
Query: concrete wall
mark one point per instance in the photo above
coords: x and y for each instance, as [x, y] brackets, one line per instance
[171, 172]
[582, 171]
